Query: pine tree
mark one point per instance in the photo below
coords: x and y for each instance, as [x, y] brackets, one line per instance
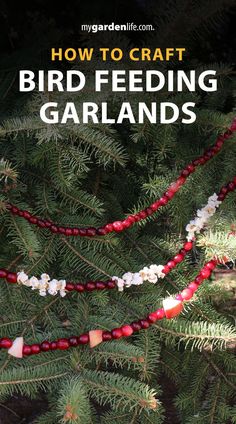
[86, 175]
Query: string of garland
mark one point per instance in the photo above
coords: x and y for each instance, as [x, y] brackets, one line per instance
[151, 274]
[171, 307]
[119, 226]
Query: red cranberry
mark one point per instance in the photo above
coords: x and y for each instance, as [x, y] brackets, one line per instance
[198, 279]
[136, 326]
[205, 273]
[35, 349]
[33, 220]
[127, 330]
[83, 339]
[179, 297]
[68, 232]
[211, 265]
[3, 273]
[90, 286]
[5, 343]
[101, 231]
[116, 333]
[26, 215]
[160, 313]
[106, 336]
[91, 232]
[166, 269]
[109, 228]
[193, 286]
[79, 287]
[45, 346]
[163, 201]
[111, 284]
[187, 294]
[75, 232]
[152, 317]
[27, 350]
[12, 277]
[118, 226]
[100, 285]
[178, 258]
[41, 223]
[62, 344]
[171, 264]
[144, 323]
[54, 229]
[188, 246]
[62, 230]
[70, 286]
[53, 345]
[73, 341]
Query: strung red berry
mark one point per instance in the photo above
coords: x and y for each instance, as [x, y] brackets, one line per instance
[73, 341]
[118, 226]
[160, 313]
[106, 336]
[179, 297]
[142, 214]
[91, 232]
[187, 294]
[193, 287]
[82, 232]
[211, 265]
[90, 286]
[12, 277]
[116, 333]
[68, 232]
[155, 206]
[231, 186]
[152, 317]
[48, 224]
[62, 344]
[109, 228]
[54, 229]
[188, 246]
[45, 346]
[41, 223]
[53, 345]
[35, 349]
[27, 350]
[136, 326]
[62, 230]
[101, 231]
[79, 287]
[148, 211]
[144, 323]
[26, 215]
[5, 343]
[75, 231]
[163, 201]
[178, 258]
[205, 273]
[191, 168]
[83, 339]
[171, 264]
[111, 284]
[100, 285]
[166, 269]
[70, 286]
[3, 273]
[127, 330]
[169, 194]
[198, 279]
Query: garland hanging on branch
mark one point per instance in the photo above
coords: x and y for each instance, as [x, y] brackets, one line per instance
[119, 226]
[171, 307]
[151, 274]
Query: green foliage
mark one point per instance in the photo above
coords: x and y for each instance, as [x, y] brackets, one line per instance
[86, 175]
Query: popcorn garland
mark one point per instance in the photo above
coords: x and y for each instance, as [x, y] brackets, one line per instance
[150, 274]
[171, 307]
[119, 226]
[203, 216]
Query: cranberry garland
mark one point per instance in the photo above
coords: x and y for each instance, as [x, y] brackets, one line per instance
[119, 226]
[11, 277]
[172, 307]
